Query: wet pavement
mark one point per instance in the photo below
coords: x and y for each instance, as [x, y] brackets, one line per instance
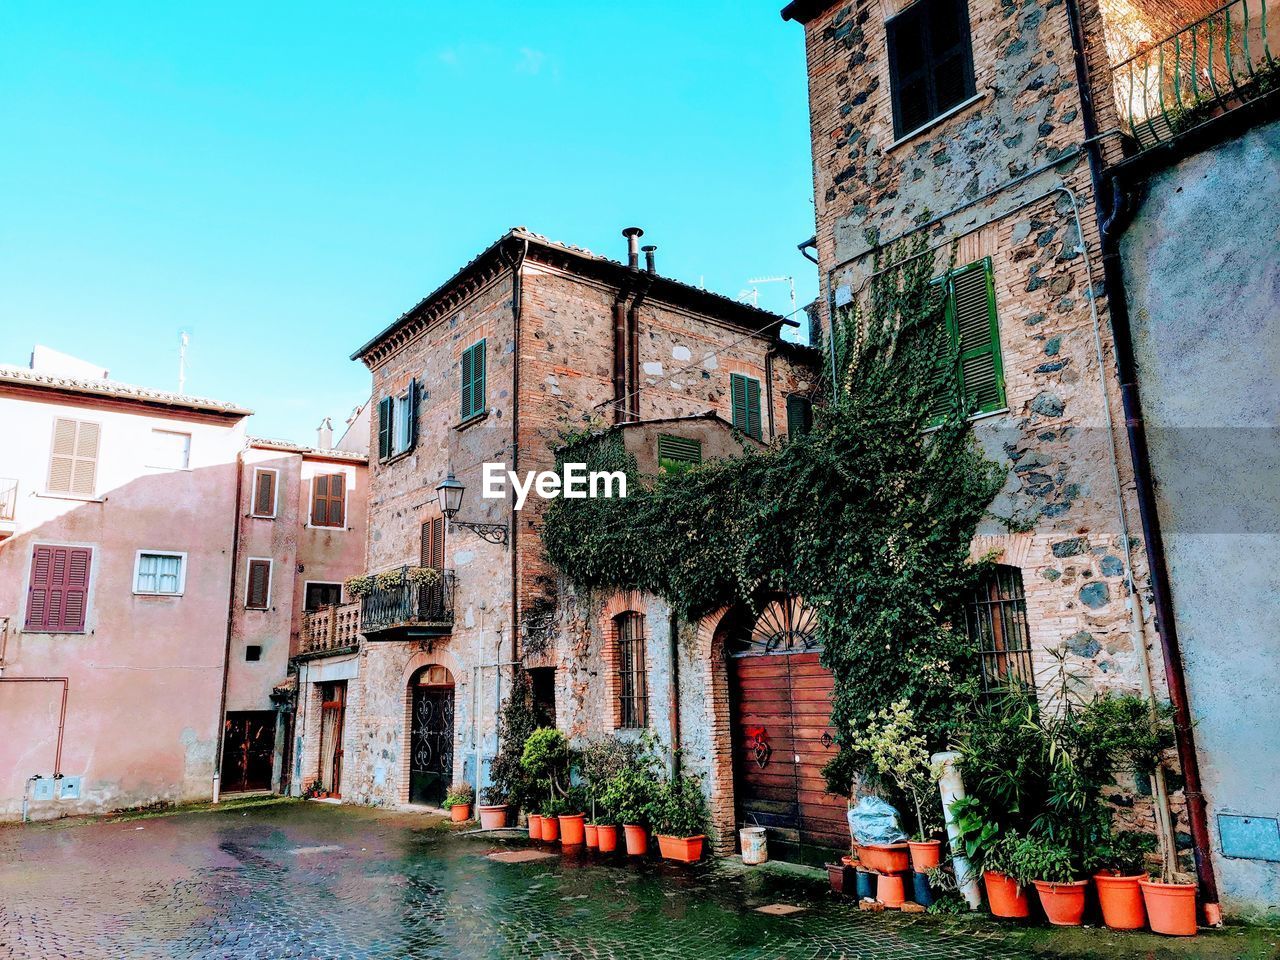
[313, 880]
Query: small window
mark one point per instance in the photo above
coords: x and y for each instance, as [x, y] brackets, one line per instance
[744, 396]
[973, 338]
[398, 422]
[58, 593]
[163, 574]
[328, 500]
[265, 480]
[930, 62]
[678, 454]
[799, 415]
[317, 595]
[473, 377]
[73, 462]
[170, 450]
[253, 653]
[633, 692]
[257, 594]
[997, 625]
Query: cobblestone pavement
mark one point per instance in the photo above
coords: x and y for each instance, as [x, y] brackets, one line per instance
[313, 880]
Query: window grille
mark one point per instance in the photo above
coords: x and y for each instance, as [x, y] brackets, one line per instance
[633, 692]
[997, 623]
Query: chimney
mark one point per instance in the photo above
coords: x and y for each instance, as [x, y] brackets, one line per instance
[649, 251]
[633, 235]
[324, 435]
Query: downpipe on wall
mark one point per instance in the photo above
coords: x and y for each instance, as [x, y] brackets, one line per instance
[220, 727]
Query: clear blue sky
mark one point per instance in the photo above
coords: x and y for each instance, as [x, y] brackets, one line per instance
[283, 180]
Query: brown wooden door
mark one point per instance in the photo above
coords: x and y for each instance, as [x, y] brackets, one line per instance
[248, 749]
[333, 715]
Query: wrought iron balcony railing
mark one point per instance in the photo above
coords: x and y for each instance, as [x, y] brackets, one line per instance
[8, 497]
[410, 608]
[1209, 67]
[330, 628]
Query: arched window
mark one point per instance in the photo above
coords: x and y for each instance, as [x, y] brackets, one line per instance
[997, 623]
[633, 687]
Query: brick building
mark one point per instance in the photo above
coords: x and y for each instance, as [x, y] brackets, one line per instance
[530, 340]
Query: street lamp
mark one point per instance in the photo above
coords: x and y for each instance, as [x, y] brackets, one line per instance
[450, 494]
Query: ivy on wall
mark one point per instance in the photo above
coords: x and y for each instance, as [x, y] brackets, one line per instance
[868, 518]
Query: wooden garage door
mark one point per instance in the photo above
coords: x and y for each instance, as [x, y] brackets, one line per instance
[782, 733]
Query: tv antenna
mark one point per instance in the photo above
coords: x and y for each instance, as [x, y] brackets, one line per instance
[183, 339]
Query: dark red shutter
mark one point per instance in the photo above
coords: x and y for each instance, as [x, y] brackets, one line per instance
[337, 484]
[319, 500]
[264, 498]
[327, 496]
[431, 553]
[58, 597]
[259, 584]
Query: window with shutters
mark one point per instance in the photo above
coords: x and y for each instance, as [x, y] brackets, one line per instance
[398, 422]
[170, 450]
[678, 454]
[58, 591]
[386, 411]
[160, 572]
[799, 415]
[473, 376]
[633, 691]
[997, 624]
[930, 62]
[328, 500]
[257, 590]
[316, 595]
[73, 463]
[431, 551]
[973, 339]
[265, 482]
[744, 398]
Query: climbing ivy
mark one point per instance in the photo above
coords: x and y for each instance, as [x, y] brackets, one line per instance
[868, 517]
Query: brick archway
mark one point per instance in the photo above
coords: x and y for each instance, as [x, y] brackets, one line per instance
[624, 601]
[721, 799]
[415, 663]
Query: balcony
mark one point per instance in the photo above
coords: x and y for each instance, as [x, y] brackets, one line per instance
[1214, 65]
[330, 628]
[408, 608]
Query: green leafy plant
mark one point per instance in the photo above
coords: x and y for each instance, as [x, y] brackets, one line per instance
[1041, 858]
[600, 759]
[460, 793]
[629, 795]
[511, 784]
[896, 750]
[555, 807]
[1124, 852]
[493, 796]
[678, 808]
[546, 760]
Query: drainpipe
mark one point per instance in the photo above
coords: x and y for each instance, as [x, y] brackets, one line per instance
[516, 260]
[231, 610]
[768, 387]
[633, 344]
[673, 625]
[1113, 219]
[62, 713]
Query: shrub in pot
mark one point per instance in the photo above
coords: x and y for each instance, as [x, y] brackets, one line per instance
[516, 722]
[629, 794]
[458, 801]
[1005, 895]
[572, 819]
[552, 808]
[678, 812]
[546, 759]
[1122, 867]
[493, 808]
[600, 759]
[1055, 870]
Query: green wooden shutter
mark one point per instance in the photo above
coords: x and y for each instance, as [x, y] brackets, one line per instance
[799, 415]
[972, 323]
[753, 408]
[384, 428]
[473, 380]
[415, 398]
[744, 398]
[945, 374]
[677, 454]
[467, 366]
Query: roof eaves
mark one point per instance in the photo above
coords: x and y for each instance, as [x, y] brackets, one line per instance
[116, 390]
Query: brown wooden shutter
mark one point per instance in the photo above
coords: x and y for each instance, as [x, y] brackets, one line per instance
[431, 553]
[264, 494]
[73, 465]
[328, 494]
[337, 499]
[58, 595]
[259, 584]
[319, 500]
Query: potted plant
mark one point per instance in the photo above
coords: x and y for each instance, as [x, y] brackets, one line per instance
[600, 759]
[1122, 866]
[458, 801]
[492, 809]
[359, 586]
[988, 850]
[545, 759]
[899, 753]
[422, 576]
[512, 786]
[678, 812]
[628, 794]
[1171, 905]
[388, 579]
[573, 824]
[535, 826]
[1054, 868]
[552, 807]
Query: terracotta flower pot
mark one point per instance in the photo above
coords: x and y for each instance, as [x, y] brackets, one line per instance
[889, 889]
[680, 849]
[591, 834]
[1005, 895]
[494, 816]
[460, 812]
[925, 854]
[535, 826]
[885, 857]
[550, 829]
[1121, 901]
[1063, 902]
[637, 839]
[573, 829]
[840, 876]
[1171, 907]
[607, 834]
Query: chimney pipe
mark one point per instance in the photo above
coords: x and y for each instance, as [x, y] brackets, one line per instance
[633, 235]
[324, 435]
[649, 251]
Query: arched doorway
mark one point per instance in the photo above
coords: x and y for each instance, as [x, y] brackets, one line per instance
[430, 734]
[782, 738]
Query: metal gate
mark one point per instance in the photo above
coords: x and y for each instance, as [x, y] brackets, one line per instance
[248, 749]
[431, 735]
[782, 733]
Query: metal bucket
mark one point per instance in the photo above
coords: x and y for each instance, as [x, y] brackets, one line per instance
[755, 845]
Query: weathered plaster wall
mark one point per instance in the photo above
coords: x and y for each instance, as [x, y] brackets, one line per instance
[1203, 281]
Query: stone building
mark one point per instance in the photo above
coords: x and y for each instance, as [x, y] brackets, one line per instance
[1012, 137]
[530, 341]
